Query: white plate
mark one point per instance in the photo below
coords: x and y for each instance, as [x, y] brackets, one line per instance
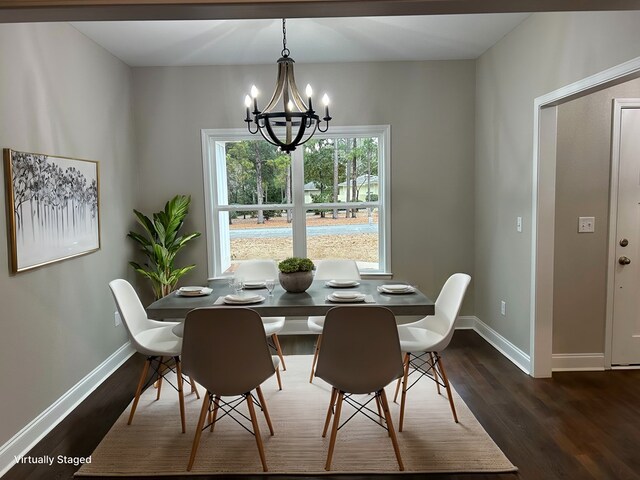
[193, 291]
[396, 290]
[345, 295]
[242, 300]
[356, 299]
[254, 284]
[342, 283]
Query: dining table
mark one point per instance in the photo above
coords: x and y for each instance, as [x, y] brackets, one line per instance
[314, 301]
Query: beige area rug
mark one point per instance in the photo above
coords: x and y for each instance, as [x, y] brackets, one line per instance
[431, 440]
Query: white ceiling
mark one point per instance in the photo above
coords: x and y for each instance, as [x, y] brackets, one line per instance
[311, 40]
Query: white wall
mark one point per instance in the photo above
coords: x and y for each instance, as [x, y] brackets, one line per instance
[545, 52]
[429, 105]
[61, 94]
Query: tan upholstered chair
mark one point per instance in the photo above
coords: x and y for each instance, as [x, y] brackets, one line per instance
[259, 271]
[151, 338]
[422, 342]
[330, 269]
[225, 350]
[360, 354]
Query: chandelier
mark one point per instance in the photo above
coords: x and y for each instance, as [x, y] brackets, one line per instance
[297, 122]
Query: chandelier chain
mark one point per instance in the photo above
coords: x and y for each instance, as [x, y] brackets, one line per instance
[285, 51]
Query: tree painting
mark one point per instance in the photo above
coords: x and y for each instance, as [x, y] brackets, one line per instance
[55, 208]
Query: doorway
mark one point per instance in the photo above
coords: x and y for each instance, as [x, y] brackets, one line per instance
[543, 209]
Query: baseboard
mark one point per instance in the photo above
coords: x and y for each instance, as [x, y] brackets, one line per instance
[40, 426]
[466, 323]
[504, 346]
[575, 362]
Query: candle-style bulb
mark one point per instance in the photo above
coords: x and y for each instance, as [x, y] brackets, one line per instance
[254, 91]
[247, 101]
[325, 100]
[309, 91]
[290, 106]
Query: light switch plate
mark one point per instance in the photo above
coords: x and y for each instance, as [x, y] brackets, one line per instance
[586, 224]
[519, 224]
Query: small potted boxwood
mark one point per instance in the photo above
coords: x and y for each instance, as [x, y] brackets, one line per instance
[296, 274]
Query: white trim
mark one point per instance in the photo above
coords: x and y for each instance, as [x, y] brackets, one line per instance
[466, 323]
[504, 346]
[578, 362]
[541, 323]
[543, 226]
[31, 434]
[209, 137]
[618, 105]
[299, 214]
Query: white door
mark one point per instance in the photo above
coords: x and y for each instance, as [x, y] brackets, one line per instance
[625, 348]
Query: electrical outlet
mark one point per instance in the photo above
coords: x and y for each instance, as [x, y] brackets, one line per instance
[503, 307]
[116, 317]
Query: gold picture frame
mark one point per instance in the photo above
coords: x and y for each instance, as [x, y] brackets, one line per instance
[53, 208]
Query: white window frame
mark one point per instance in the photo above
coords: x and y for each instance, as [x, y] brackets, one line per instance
[211, 149]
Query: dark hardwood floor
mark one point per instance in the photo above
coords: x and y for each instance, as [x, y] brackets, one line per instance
[578, 425]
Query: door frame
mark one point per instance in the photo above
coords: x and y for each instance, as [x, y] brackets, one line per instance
[543, 206]
[619, 104]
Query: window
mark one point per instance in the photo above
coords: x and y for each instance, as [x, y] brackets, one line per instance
[329, 199]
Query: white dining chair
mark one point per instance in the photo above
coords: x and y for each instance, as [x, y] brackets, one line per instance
[212, 337]
[329, 269]
[360, 356]
[259, 271]
[151, 338]
[422, 342]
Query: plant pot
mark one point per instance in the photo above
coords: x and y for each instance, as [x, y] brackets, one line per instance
[296, 282]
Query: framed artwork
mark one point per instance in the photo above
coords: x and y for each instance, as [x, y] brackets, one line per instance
[52, 208]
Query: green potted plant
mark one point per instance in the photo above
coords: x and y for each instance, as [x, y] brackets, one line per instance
[160, 242]
[296, 274]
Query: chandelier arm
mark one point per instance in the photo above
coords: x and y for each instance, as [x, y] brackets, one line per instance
[274, 140]
[269, 140]
[277, 93]
[301, 130]
[297, 98]
[249, 128]
[310, 135]
[320, 128]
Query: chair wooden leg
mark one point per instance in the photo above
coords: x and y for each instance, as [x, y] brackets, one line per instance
[276, 342]
[180, 392]
[263, 404]
[334, 430]
[334, 393]
[380, 415]
[256, 431]
[315, 358]
[447, 386]
[433, 365]
[404, 364]
[214, 414]
[196, 438]
[145, 371]
[194, 387]
[405, 381]
[278, 378]
[392, 433]
[159, 381]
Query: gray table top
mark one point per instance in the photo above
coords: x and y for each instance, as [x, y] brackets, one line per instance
[312, 302]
